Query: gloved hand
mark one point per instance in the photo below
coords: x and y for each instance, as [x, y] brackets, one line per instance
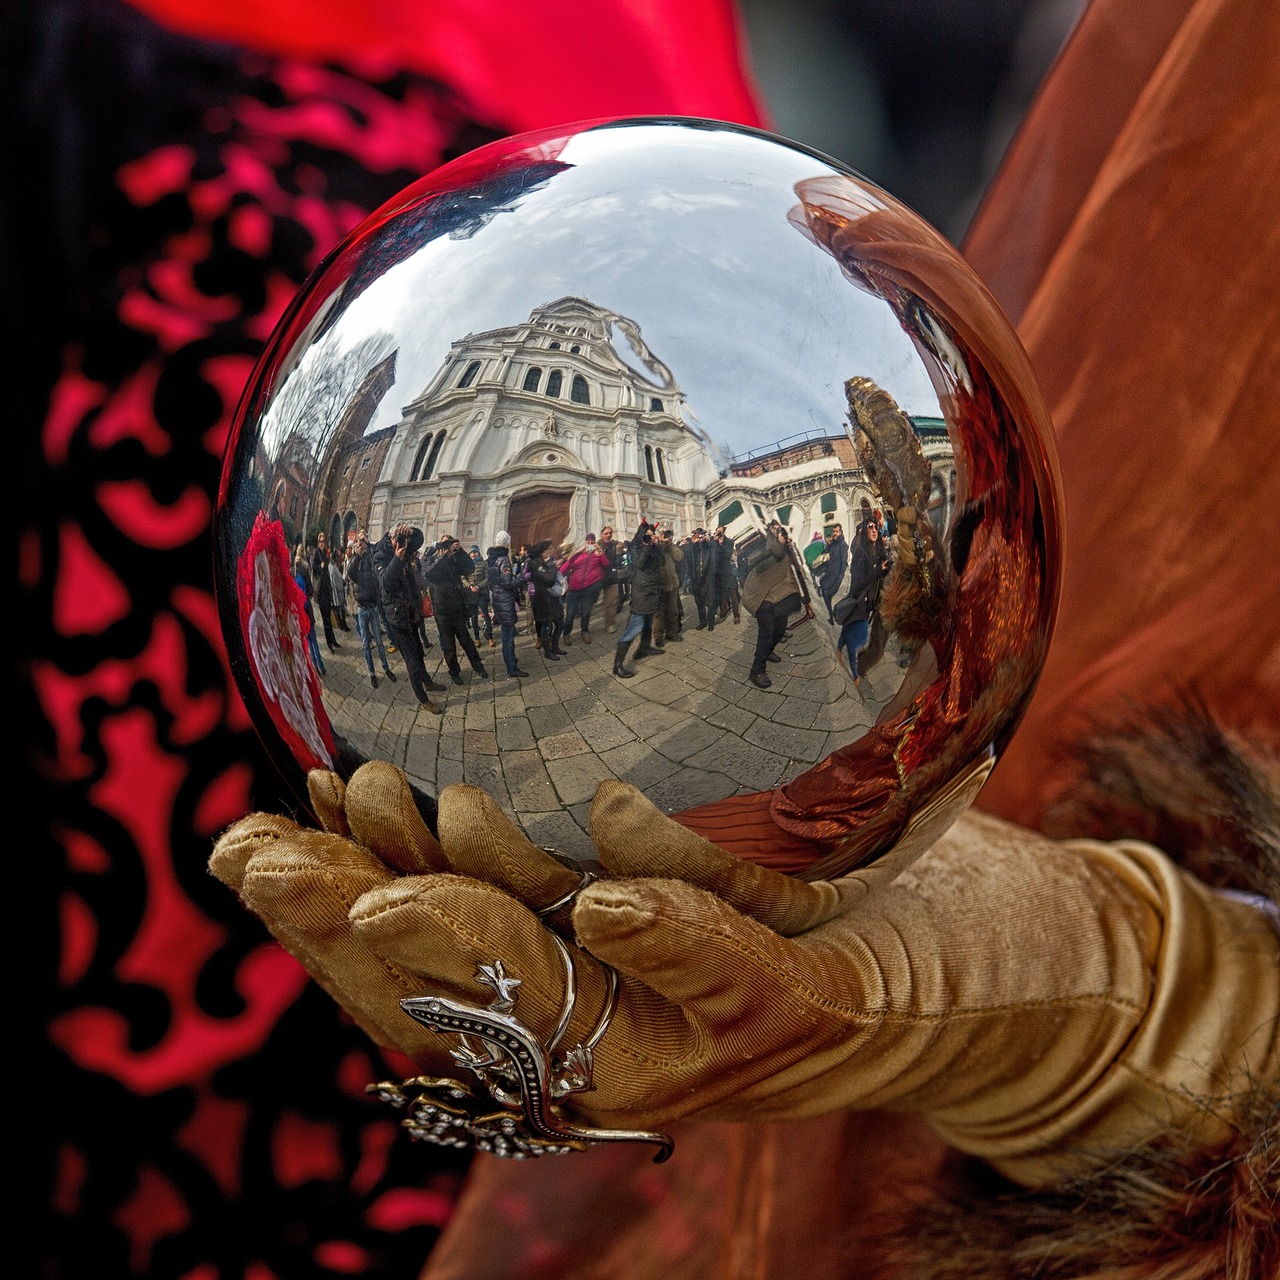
[1022, 994]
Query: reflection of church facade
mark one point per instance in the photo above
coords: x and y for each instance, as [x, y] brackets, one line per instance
[543, 429]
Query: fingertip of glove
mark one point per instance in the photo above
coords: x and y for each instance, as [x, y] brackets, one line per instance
[473, 827]
[438, 891]
[633, 837]
[383, 815]
[460, 803]
[618, 803]
[328, 795]
[386, 897]
[613, 790]
[619, 909]
[651, 927]
[241, 840]
[377, 777]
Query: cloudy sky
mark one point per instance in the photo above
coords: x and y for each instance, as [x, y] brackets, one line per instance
[686, 233]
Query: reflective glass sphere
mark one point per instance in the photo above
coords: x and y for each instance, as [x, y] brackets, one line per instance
[661, 450]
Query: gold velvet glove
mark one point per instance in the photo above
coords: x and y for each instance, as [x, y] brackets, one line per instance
[1027, 997]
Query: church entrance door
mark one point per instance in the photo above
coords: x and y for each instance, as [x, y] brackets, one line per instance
[534, 516]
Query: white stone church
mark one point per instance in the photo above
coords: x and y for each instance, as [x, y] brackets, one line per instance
[544, 430]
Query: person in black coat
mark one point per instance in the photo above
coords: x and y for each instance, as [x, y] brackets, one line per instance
[451, 605]
[722, 582]
[402, 601]
[610, 587]
[506, 590]
[362, 573]
[480, 617]
[323, 588]
[646, 598]
[832, 572]
[548, 607]
[868, 566]
[699, 556]
[302, 576]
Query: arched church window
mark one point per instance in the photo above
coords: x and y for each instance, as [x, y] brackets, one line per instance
[470, 375]
[655, 405]
[662, 470]
[532, 378]
[648, 461]
[554, 346]
[573, 350]
[578, 392]
[420, 461]
[554, 381]
[435, 454]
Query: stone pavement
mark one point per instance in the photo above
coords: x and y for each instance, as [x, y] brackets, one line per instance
[687, 729]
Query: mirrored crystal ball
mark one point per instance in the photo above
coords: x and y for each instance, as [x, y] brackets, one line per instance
[656, 449]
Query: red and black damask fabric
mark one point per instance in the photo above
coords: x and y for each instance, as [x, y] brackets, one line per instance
[213, 1118]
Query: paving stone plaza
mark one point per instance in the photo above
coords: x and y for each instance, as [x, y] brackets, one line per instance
[688, 729]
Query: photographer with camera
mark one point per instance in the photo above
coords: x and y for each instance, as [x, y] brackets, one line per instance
[724, 579]
[771, 594]
[666, 621]
[402, 602]
[448, 581]
[646, 598]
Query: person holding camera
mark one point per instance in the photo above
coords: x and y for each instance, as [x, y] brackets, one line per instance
[666, 620]
[448, 581]
[771, 594]
[646, 598]
[402, 601]
[724, 581]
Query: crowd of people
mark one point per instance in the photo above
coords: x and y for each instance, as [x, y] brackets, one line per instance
[645, 591]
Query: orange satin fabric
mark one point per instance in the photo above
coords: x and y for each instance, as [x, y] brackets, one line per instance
[761, 1201]
[1148, 264]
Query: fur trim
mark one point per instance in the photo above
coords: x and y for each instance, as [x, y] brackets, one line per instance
[1173, 777]
[1167, 1210]
[1162, 1212]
